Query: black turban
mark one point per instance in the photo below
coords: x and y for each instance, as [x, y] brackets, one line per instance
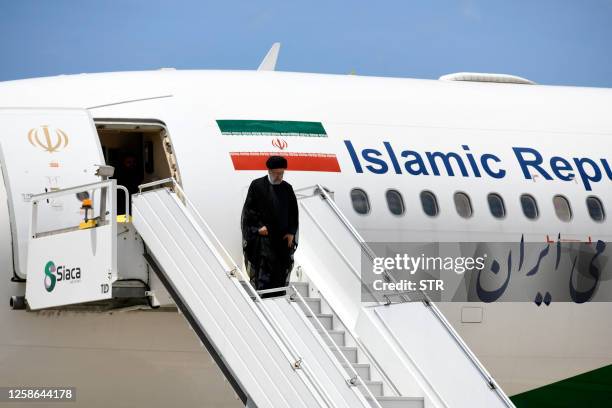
[276, 162]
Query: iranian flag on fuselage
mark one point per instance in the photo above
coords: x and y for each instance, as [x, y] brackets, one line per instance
[293, 140]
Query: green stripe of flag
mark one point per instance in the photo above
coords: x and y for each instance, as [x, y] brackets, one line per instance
[590, 389]
[271, 127]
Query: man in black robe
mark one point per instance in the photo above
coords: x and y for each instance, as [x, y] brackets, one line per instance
[269, 226]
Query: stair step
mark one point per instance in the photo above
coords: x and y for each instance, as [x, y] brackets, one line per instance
[338, 337]
[363, 370]
[376, 387]
[327, 320]
[313, 303]
[400, 402]
[349, 352]
[302, 288]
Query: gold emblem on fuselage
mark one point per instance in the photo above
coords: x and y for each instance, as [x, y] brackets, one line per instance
[48, 138]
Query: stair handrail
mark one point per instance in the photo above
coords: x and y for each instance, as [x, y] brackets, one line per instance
[368, 354]
[296, 361]
[355, 379]
[318, 189]
[323, 192]
[98, 185]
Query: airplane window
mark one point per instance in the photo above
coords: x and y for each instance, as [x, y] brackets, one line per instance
[361, 203]
[496, 205]
[429, 203]
[530, 207]
[562, 208]
[463, 205]
[395, 202]
[595, 207]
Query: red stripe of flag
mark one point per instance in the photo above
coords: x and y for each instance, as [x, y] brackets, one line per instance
[295, 161]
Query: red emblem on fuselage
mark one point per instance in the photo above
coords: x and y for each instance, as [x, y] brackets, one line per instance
[279, 143]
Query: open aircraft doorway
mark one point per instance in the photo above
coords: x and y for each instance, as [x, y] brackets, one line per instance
[139, 150]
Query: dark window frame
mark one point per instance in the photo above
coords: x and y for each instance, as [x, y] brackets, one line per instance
[401, 200]
[569, 207]
[367, 200]
[601, 206]
[469, 201]
[535, 205]
[435, 201]
[503, 205]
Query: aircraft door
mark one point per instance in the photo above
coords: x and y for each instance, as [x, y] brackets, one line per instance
[43, 150]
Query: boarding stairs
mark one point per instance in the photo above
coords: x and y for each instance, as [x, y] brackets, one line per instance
[269, 348]
[411, 347]
[317, 345]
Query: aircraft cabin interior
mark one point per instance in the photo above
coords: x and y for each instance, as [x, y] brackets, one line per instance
[140, 153]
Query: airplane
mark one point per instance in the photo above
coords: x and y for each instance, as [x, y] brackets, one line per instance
[468, 157]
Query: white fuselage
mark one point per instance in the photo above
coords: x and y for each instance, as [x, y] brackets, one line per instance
[369, 123]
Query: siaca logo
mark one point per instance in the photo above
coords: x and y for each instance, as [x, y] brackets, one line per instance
[48, 138]
[50, 278]
[61, 273]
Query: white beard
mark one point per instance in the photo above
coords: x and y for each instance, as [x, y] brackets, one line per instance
[273, 182]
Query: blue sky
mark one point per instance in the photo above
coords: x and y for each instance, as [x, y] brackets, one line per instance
[557, 42]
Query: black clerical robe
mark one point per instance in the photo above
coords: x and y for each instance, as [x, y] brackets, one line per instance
[269, 260]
